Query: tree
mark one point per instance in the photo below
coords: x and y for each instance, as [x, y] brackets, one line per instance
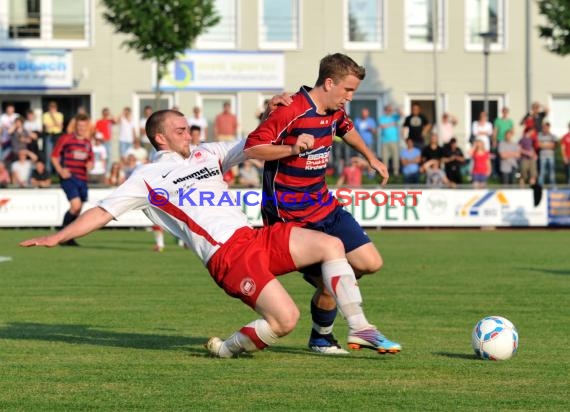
[557, 28]
[160, 30]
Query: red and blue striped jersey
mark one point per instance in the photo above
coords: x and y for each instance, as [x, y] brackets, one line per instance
[74, 154]
[294, 187]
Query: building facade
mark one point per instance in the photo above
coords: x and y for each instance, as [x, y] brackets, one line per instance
[63, 50]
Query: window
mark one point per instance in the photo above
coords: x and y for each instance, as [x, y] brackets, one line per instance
[68, 19]
[419, 27]
[212, 105]
[45, 23]
[224, 34]
[24, 19]
[484, 16]
[279, 24]
[364, 24]
[559, 114]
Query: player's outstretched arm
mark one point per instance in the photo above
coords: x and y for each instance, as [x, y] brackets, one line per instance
[88, 222]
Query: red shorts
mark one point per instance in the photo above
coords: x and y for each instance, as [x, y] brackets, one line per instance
[250, 259]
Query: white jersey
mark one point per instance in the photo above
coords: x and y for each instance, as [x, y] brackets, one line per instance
[186, 197]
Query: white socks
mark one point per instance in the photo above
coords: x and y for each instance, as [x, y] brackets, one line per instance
[254, 336]
[159, 238]
[340, 281]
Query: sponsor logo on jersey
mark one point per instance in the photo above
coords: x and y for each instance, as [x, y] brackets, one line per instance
[201, 174]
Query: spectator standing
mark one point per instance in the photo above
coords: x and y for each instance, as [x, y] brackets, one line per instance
[40, 177]
[4, 176]
[127, 131]
[100, 157]
[7, 120]
[52, 121]
[411, 158]
[22, 168]
[389, 138]
[72, 157]
[416, 126]
[198, 120]
[547, 144]
[225, 125]
[453, 160]
[33, 126]
[565, 149]
[481, 164]
[366, 126]
[528, 158]
[534, 118]
[446, 129]
[482, 129]
[501, 126]
[104, 131]
[509, 152]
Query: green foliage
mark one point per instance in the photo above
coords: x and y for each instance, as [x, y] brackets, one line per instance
[557, 28]
[160, 29]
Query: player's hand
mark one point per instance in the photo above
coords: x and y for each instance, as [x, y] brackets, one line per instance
[47, 241]
[304, 142]
[65, 173]
[381, 169]
[283, 99]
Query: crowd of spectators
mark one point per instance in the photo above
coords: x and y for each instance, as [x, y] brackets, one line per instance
[410, 146]
[422, 153]
[27, 144]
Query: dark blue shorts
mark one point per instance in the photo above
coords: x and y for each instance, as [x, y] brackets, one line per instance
[342, 225]
[74, 187]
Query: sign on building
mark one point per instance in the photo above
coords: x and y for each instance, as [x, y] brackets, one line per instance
[22, 69]
[203, 70]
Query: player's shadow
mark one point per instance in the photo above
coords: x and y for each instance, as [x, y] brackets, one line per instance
[563, 272]
[88, 335]
[452, 355]
[351, 355]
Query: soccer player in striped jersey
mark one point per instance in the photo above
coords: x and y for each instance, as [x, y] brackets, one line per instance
[242, 260]
[72, 157]
[294, 187]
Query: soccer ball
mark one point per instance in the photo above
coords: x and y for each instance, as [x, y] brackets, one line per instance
[495, 338]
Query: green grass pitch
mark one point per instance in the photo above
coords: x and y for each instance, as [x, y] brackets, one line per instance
[114, 326]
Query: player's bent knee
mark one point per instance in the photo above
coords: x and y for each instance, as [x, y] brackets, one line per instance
[333, 248]
[287, 321]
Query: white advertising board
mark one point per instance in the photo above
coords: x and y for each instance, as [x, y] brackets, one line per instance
[371, 208]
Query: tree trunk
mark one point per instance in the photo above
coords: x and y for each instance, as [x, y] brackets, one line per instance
[159, 71]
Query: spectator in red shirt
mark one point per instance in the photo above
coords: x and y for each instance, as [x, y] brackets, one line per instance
[565, 149]
[225, 125]
[352, 174]
[481, 165]
[104, 129]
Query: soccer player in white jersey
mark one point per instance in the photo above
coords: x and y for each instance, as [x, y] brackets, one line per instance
[242, 260]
